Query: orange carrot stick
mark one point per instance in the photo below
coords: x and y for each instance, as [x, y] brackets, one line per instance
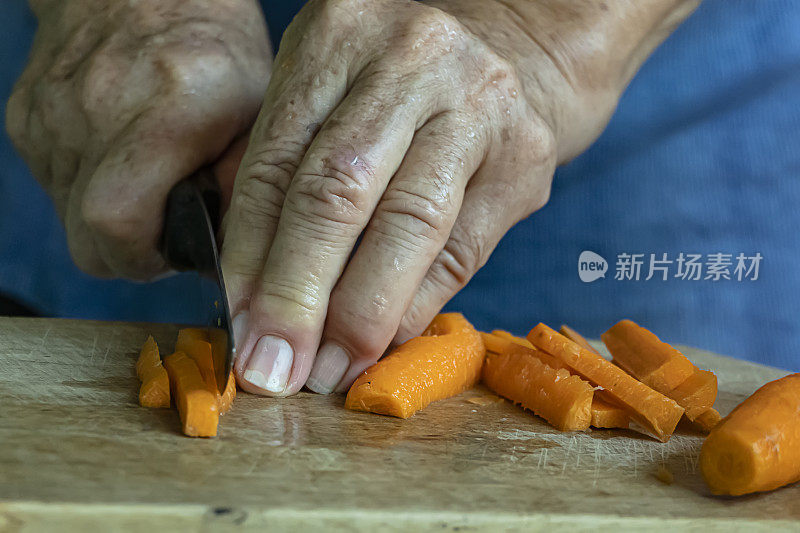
[200, 352]
[443, 362]
[707, 421]
[578, 339]
[562, 399]
[756, 447]
[196, 404]
[657, 414]
[607, 415]
[500, 345]
[697, 394]
[522, 341]
[154, 389]
[656, 364]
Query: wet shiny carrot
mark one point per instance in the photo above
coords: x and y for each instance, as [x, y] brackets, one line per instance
[651, 412]
[564, 400]
[696, 394]
[707, 421]
[197, 406]
[443, 362]
[501, 344]
[522, 341]
[756, 447]
[608, 415]
[154, 388]
[643, 355]
[577, 338]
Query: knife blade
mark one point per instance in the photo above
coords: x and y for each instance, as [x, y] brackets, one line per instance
[188, 243]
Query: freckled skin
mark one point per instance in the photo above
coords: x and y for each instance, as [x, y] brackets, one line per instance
[396, 143]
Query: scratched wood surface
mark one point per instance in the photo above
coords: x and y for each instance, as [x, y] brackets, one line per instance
[77, 452]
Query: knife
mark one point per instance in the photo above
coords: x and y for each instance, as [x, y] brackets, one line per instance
[188, 243]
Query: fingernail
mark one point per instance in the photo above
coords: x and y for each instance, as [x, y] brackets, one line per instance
[239, 324]
[329, 366]
[270, 364]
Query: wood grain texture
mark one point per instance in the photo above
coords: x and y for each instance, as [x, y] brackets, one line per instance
[77, 452]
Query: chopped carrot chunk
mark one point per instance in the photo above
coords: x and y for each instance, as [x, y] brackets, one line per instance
[197, 406]
[443, 362]
[655, 413]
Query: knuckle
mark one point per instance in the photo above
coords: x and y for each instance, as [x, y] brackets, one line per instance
[363, 326]
[288, 297]
[263, 186]
[109, 217]
[339, 191]
[461, 257]
[430, 24]
[419, 214]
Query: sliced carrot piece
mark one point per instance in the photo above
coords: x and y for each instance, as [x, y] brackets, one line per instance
[608, 415]
[643, 355]
[697, 394]
[443, 362]
[154, 391]
[657, 414]
[498, 344]
[707, 421]
[756, 447]
[154, 388]
[554, 394]
[196, 404]
[149, 357]
[522, 341]
[578, 339]
[225, 400]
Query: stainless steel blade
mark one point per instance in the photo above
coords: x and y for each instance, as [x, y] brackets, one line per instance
[189, 243]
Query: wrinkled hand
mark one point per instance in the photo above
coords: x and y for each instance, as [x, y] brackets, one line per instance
[394, 149]
[121, 100]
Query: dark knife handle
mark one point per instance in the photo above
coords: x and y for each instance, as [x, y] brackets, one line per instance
[192, 205]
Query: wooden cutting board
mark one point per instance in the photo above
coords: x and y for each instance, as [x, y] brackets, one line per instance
[77, 453]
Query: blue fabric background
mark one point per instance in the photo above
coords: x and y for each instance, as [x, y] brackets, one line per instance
[701, 156]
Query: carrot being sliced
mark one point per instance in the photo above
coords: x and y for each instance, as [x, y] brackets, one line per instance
[756, 447]
[197, 406]
[188, 336]
[577, 338]
[608, 415]
[643, 355]
[225, 400]
[443, 362]
[707, 421]
[655, 413]
[697, 394]
[562, 399]
[200, 352]
[154, 388]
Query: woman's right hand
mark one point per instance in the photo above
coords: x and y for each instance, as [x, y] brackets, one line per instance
[121, 100]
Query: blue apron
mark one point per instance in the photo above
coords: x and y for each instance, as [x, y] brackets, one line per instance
[701, 160]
